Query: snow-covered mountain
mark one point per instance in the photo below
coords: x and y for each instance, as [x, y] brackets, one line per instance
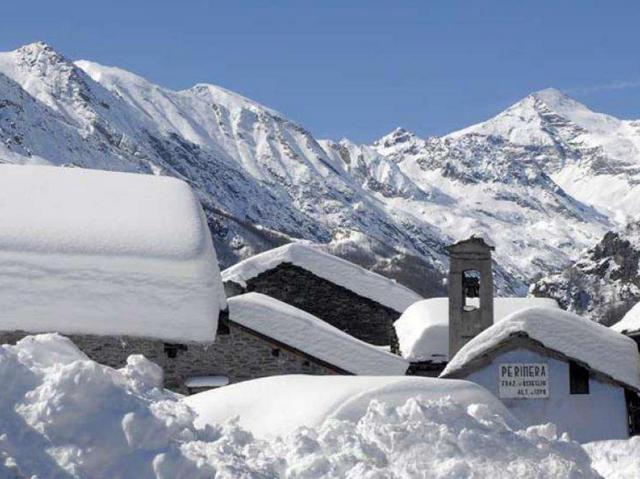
[542, 180]
[604, 283]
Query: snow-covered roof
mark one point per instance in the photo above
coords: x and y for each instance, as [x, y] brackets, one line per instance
[311, 335]
[582, 340]
[630, 322]
[423, 329]
[95, 252]
[277, 405]
[341, 272]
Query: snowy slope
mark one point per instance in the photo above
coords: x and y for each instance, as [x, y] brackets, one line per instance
[541, 181]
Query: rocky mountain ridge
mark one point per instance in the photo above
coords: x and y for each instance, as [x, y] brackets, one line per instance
[524, 180]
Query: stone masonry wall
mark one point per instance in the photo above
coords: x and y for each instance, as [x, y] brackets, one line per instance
[361, 317]
[238, 355]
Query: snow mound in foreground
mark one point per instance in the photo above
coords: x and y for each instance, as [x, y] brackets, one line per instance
[63, 415]
[266, 412]
[618, 459]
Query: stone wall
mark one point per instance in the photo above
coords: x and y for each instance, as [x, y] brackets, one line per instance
[360, 317]
[426, 368]
[238, 355]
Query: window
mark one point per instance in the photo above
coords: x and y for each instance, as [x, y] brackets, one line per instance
[578, 379]
[223, 323]
[171, 350]
[471, 289]
[275, 352]
[223, 327]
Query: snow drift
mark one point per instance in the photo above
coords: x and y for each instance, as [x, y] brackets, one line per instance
[618, 459]
[65, 416]
[94, 252]
[309, 401]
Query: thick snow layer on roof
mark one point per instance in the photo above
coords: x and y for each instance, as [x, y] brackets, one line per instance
[277, 405]
[64, 416]
[597, 346]
[343, 273]
[630, 322]
[311, 335]
[95, 252]
[423, 329]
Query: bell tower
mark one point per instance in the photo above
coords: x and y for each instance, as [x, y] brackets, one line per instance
[470, 291]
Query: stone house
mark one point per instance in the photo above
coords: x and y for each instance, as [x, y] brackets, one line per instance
[124, 264]
[262, 336]
[549, 365]
[120, 263]
[357, 301]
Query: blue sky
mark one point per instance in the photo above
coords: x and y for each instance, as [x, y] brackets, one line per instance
[357, 68]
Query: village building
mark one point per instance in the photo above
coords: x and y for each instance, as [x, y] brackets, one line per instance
[549, 365]
[430, 331]
[262, 336]
[423, 329]
[351, 298]
[120, 263]
[629, 325]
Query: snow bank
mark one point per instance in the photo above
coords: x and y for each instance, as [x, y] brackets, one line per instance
[85, 251]
[343, 273]
[277, 405]
[62, 415]
[630, 322]
[311, 335]
[616, 459]
[602, 349]
[423, 329]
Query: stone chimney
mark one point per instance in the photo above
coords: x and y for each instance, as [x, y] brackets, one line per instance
[470, 291]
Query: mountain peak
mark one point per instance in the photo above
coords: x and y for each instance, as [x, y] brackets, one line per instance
[549, 94]
[39, 49]
[557, 100]
[397, 136]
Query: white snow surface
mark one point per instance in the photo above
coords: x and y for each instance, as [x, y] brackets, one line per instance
[618, 459]
[65, 416]
[336, 270]
[597, 346]
[278, 405]
[423, 329]
[94, 252]
[303, 331]
[630, 322]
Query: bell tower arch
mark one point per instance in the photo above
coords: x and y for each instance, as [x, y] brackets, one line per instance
[470, 291]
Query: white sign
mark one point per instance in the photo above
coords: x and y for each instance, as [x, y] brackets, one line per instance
[524, 380]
